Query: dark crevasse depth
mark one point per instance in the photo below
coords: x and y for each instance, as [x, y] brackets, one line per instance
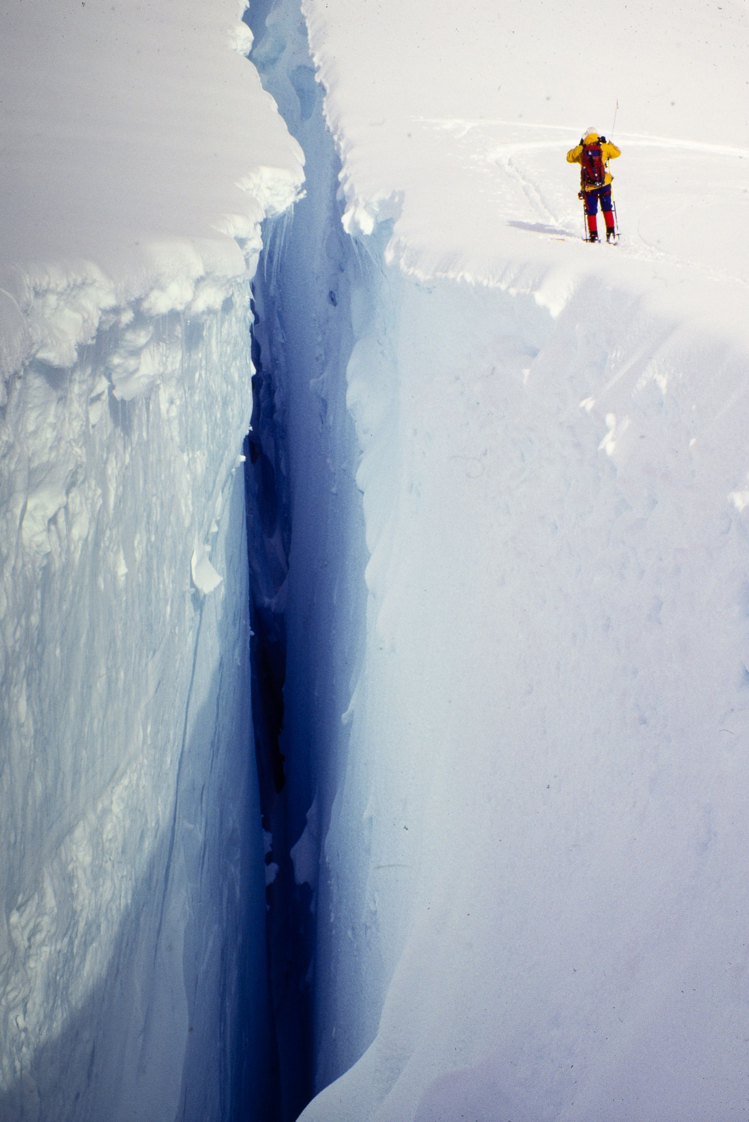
[306, 547]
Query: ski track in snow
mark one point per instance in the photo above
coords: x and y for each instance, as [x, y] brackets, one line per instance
[548, 186]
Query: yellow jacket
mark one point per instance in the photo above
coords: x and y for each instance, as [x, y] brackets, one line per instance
[609, 151]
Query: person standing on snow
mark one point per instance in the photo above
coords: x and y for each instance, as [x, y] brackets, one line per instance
[593, 154]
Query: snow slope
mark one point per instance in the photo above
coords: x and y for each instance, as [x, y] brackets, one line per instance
[534, 902]
[140, 154]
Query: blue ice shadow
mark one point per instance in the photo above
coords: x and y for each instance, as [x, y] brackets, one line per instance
[542, 228]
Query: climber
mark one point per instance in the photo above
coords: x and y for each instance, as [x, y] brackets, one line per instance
[593, 154]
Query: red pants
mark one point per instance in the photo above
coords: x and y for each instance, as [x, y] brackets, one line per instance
[592, 199]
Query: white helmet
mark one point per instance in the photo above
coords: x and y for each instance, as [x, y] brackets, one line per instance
[591, 131]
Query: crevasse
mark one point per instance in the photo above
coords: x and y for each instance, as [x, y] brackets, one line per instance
[306, 548]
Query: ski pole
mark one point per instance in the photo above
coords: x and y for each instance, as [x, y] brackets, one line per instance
[615, 113]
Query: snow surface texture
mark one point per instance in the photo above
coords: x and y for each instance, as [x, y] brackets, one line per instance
[140, 154]
[534, 902]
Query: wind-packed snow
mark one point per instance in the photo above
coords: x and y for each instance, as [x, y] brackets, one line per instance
[532, 902]
[140, 154]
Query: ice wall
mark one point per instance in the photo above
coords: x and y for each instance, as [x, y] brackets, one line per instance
[126, 718]
[141, 155]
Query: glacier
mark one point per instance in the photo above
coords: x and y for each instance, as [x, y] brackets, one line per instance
[374, 582]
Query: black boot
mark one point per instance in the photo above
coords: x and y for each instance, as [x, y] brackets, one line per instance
[611, 235]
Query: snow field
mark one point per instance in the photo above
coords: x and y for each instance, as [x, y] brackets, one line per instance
[523, 68]
[465, 152]
[675, 74]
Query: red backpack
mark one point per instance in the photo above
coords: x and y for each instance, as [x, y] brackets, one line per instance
[593, 167]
